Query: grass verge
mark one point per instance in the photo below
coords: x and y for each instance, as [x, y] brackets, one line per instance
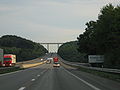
[112, 76]
[8, 70]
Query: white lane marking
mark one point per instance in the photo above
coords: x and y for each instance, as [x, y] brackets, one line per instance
[11, 72]
[38, 75]
[43, 71]
[22, 88]
[16, 71]
[33, 80]
[95, 88]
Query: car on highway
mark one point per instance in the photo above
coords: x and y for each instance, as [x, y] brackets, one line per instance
[56, 64]
[41, 59]
[48, 61]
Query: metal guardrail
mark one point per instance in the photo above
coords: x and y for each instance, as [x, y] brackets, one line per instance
[3, 68]
[34, 61]
[87, 66]
[29, 61]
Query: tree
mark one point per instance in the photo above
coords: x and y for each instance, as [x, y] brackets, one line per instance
[103, 36]
[24, 49]
[68, 51]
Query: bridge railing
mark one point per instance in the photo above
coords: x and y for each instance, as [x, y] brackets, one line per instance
[87, 66]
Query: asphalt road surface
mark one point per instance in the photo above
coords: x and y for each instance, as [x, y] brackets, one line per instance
[47, 77]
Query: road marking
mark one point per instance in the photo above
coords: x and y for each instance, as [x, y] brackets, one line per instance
[43, 71]
[22, 88]
[15, 72]
[38, 75]
[33, 80]
[95, 88]
[11, 72]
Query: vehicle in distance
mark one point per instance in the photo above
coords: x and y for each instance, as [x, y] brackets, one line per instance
[41, 59]
[56, 62]
[48, 61]
[9, 60]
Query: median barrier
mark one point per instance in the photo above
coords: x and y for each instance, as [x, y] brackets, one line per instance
[30, 65]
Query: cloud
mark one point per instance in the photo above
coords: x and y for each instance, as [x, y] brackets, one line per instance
[5, 9]
[48, 20]
[51, 33]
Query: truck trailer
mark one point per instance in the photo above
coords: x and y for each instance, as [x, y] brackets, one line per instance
[1, 57]
[9, 60]
[56, 62]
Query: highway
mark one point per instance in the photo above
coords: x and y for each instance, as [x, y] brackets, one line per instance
[47, 77]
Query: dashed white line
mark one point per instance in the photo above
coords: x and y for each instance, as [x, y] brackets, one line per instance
[43, 72]
[95, 88]
[33, 80]
[22, 88]
[38, 75]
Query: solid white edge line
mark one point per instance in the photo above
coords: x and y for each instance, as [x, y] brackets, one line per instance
[15, 72]
[22, 88]
[11, 72]
[95, 88]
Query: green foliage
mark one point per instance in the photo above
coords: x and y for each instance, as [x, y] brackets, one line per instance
[14, 41]
[68, 51]
[111, 76]
[103, 36]
[8, 70]
[24, 49]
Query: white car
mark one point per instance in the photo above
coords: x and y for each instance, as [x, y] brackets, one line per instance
[41, 59]
[56, 64]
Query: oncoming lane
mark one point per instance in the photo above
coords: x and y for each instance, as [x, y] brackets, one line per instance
[15, 81]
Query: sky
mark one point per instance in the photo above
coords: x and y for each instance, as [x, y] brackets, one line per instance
[48, 20]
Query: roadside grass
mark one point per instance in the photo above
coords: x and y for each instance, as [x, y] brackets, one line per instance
[112, 76]
[8, 70]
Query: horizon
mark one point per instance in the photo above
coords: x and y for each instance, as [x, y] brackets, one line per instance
[49, 20]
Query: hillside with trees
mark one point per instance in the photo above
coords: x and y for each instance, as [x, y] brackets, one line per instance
[68, 51]
[103, 36]
[24, 49]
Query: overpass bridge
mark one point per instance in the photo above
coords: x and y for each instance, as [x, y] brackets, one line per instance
[48, 45]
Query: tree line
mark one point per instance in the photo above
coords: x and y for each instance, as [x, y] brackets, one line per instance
[68, 51]
[102, 37]
[24, 49]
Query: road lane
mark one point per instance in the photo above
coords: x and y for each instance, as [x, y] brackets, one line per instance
[58, 79]
[16, 80]
[99, 82]
[47, 77]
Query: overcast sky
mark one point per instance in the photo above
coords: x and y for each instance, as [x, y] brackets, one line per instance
[48, 20]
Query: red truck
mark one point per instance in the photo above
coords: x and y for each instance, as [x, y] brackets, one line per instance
[9, 60]
[56, 62]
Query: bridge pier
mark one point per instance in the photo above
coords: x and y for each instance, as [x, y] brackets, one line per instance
[48, 45]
